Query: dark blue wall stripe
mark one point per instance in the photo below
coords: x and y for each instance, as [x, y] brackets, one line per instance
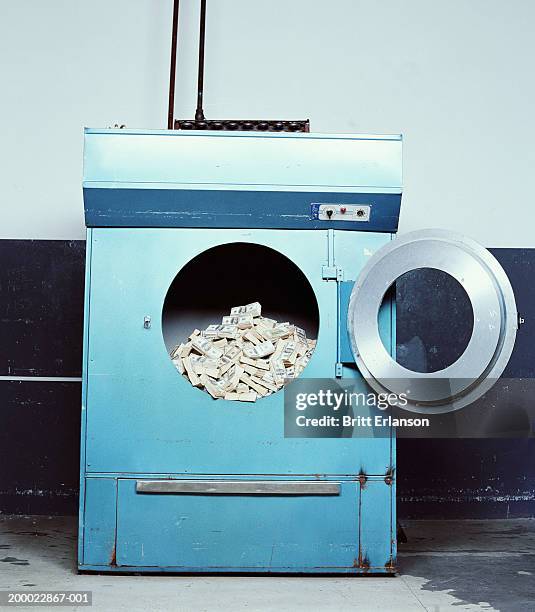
[39, 447]
[41, 307]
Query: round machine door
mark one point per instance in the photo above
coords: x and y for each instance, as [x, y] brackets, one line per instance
[494, 314]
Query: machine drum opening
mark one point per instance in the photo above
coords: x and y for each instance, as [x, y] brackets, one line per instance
[435, 319]
[239, 321]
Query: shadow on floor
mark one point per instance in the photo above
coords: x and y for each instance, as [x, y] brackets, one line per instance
[486, 564]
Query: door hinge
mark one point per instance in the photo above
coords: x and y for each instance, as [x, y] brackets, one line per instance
[332, 273]
[338, 370]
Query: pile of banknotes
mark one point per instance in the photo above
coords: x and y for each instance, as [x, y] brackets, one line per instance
[245, 357]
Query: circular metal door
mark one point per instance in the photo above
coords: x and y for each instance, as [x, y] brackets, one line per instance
[493, 334]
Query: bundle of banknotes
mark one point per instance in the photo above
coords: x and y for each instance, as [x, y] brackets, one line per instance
[245, 357]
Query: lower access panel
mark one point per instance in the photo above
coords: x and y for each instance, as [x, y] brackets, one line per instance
[274, 526]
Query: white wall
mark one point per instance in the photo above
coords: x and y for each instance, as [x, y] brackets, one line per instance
[455, 77]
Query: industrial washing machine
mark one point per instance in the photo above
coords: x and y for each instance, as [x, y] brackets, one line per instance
[182, 225]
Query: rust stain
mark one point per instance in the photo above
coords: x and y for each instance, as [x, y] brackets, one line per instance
[362, 562]
[113, 560]
[390, 565]
[362, 478]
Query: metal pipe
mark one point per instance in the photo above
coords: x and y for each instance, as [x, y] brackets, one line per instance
[199, 113]
[172, 72]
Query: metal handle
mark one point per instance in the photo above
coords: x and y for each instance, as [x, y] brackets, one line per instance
[239, 487]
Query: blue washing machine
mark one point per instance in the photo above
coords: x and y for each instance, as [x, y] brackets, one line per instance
[181, 226]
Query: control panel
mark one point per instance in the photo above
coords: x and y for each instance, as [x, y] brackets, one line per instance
[341, 212]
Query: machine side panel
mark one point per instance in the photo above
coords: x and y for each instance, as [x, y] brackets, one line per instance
[83, 441]
[238, 532]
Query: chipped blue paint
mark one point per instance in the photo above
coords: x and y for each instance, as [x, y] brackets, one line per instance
[132, 206]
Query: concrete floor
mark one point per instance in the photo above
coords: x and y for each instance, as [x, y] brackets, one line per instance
[458, 565]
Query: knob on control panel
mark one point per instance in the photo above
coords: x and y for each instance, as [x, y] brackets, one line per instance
[341, 212]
